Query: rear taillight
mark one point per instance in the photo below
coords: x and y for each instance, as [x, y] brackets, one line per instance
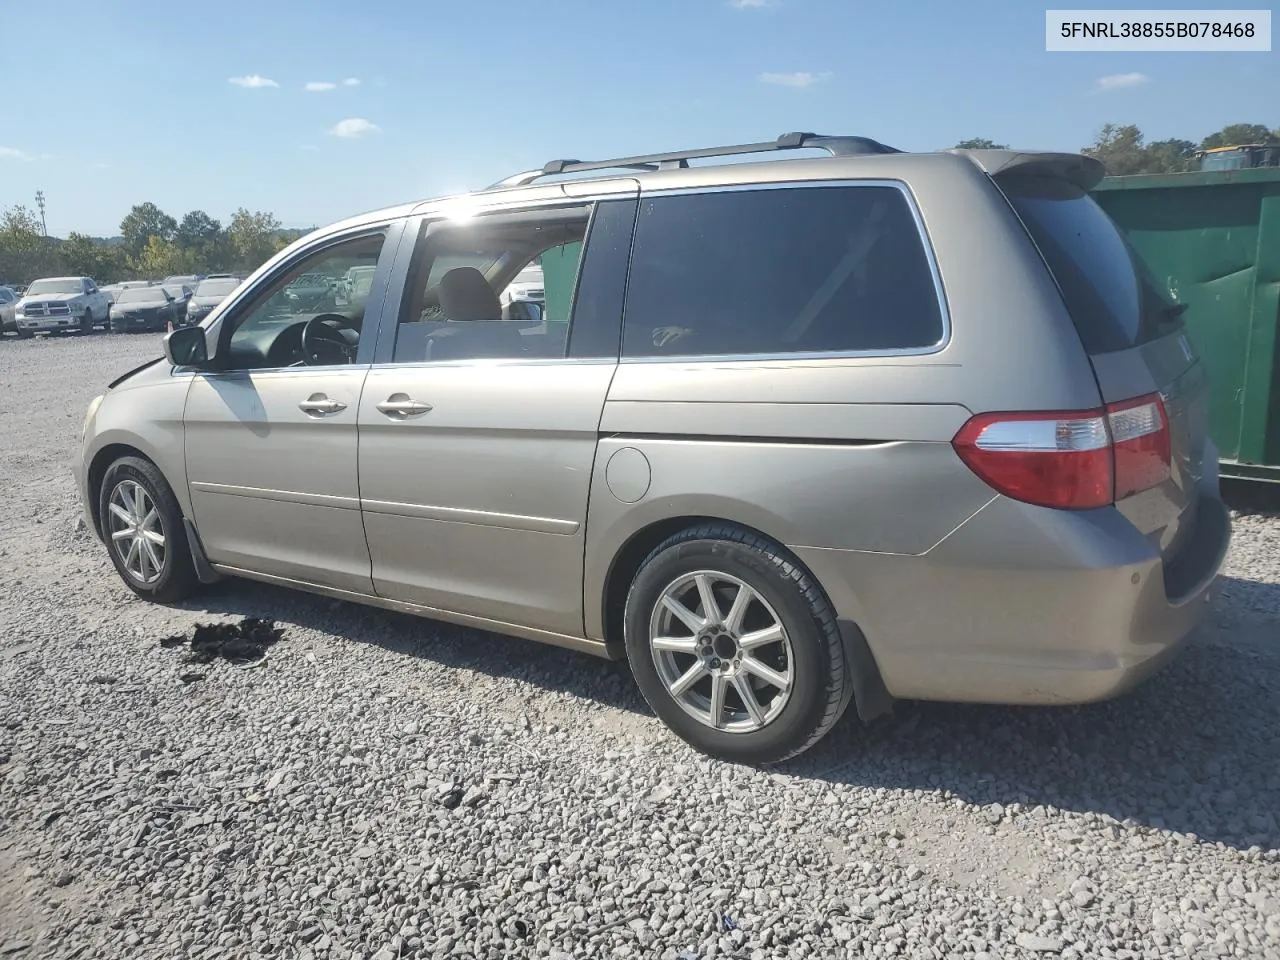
[1140, 438]
[1072, 461]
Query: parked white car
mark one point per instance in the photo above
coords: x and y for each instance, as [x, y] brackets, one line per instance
[8, 304]
[61, 303]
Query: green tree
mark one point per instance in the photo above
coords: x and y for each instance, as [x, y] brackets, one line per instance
[204, 239]
[1120, 149]
[1171, 156]
[1235, 134]
[197, 229]
[25, 253]
[251, 238]
[162, 258]
[980, 143]
[83, 256]
[143, 222]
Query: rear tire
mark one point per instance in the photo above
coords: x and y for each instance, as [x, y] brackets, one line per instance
[144, 532]
[86, 322]
[799, 682]
[24, 334]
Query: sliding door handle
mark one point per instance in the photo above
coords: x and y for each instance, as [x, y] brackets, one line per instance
[398, 406]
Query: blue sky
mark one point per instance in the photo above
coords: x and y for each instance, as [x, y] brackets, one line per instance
[133, 100]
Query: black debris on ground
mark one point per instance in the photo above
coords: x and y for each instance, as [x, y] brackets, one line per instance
[243, 642]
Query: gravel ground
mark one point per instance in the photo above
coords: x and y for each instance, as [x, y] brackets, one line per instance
[385, 787]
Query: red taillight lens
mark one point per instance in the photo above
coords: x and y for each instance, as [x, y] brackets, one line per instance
[1051, 459]
[1072, 461]
[1140, 438]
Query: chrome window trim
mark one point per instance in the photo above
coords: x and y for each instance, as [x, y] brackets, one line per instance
[926, 241]
[497, 362]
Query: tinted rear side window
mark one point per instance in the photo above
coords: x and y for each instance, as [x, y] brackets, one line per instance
[772, 271]
[1111, 296]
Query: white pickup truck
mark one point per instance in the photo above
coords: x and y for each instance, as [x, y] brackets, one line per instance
[61, 303]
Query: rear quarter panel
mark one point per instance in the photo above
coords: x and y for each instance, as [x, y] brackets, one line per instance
[848, 454]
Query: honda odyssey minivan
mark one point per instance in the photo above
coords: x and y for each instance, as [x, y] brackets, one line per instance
[789, 435]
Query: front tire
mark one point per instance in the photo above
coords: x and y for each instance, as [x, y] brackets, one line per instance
[86, 322]
[143, 529]
[734, 645]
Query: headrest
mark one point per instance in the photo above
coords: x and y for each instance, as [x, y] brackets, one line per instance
[466, 295]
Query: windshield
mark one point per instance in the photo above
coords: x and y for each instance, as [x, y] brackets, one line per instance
[44, 287]
[216, 288]
[1112, 297]
[140, 295]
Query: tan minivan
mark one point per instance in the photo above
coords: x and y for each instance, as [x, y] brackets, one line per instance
[786, 434]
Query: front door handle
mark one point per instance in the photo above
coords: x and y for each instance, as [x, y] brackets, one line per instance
[319, 405]
[398, 406]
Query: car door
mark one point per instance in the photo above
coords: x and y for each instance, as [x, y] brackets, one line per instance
[271, 430]
[478, 434]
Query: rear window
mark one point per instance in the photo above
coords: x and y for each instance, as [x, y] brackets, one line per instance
[1112, 297]
[778, 271]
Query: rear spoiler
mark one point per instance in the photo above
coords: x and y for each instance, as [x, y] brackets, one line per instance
[1084, 172]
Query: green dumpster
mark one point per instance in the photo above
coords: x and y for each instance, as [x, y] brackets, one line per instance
[1214, 238]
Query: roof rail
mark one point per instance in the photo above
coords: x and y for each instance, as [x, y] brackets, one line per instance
[838, 146]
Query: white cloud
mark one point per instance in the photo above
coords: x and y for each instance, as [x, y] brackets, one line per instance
[797, 80]
[750, 4]
[252, 81]
[353, 128]
[320, 86]
[13, 153]
[1118, 81]
[351, 82]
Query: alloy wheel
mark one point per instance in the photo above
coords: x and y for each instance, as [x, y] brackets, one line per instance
[136, 531]
[721, 651]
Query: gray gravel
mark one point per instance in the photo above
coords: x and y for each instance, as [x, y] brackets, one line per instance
[384, 787]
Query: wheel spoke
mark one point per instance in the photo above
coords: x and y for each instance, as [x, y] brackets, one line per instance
[152, 558]
[743, 686]
[766, 673]
[688, 679]
[719, 682]
[758, 638]
[742, 600]
[121, 514]
[152, 536]
[122, 534]
[135, 547]
[683, 613]
[126, 499]
[710, 609]
[675, 644]
[149, 521]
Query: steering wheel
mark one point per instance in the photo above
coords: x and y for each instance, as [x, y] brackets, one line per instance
[323, 343]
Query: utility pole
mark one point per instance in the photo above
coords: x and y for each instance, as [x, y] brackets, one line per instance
[44, 229]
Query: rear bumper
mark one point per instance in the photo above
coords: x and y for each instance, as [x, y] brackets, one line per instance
[1024, 605]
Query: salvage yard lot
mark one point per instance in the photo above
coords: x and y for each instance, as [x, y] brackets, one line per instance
[381, 786]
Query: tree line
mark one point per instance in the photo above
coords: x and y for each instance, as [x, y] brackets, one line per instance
[152, 245]
[1124, 151]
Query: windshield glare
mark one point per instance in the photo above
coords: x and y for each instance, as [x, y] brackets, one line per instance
[141, 295]
[44, 287]
[216, 288]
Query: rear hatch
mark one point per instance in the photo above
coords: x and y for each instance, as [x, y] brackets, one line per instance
[1132, 330]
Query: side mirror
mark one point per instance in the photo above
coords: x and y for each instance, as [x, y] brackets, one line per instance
[186, 347]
